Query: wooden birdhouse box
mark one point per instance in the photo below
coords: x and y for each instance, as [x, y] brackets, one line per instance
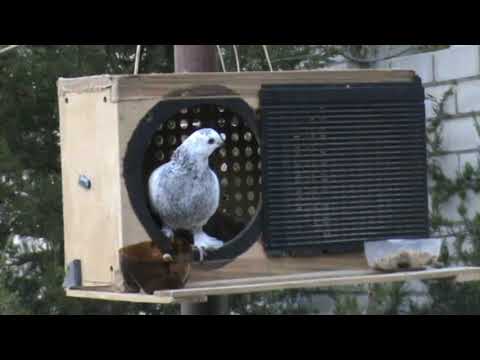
[356, 129]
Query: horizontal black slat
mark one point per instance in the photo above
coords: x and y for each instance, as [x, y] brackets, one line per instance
[346, 227]
[335, 139]
[341, 144]
[343, 106]
[315, 241]
[347, 130]
[359, 235]
[327, 154]
[330, 94]
[310, 199]
[324, 192]
[345, 126]
[289, 170]
[319, 162]
[333, 229]
[367, 118]
[333, 216]
[307, 180]
[367, 210]
[306, 209]
[352, 141]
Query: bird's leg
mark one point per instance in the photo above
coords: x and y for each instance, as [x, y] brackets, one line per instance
[205, 242]
[168, 232]
[169, 235]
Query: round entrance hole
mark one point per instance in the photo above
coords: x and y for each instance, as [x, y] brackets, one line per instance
[237, 166]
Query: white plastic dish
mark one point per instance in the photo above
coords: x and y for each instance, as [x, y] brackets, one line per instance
[402, 254]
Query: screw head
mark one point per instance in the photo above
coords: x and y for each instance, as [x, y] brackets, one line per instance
[85, 182]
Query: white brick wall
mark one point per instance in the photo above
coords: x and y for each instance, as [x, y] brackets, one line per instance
[471, 158]
[469, 96]
[422, 64]
[456, 63]
[450, 106]
[457, 67]
[460, 135]
[450, 242]
[450, 208]
[473, 204]
[449, 165]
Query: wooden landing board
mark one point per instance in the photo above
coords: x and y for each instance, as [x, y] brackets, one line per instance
[255, 263]
[99, 294]
[197, 291]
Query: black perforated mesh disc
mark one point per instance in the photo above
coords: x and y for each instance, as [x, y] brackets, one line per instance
[237, 164]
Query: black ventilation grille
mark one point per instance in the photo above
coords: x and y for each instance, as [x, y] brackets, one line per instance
[342, 164]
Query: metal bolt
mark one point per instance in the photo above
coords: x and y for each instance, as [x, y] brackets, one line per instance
[85, 182]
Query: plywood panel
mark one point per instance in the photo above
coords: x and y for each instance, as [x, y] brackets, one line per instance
[89, 140]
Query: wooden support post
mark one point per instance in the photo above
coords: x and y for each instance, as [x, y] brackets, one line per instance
[215, 305]
[196, 58]
[200, 58]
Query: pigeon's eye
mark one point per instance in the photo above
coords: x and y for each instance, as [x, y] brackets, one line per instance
[211, 141]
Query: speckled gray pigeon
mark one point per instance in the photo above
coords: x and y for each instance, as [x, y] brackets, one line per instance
[185, 192]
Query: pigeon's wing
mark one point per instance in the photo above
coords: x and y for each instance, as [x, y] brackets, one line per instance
[156, 193]
[215, 189]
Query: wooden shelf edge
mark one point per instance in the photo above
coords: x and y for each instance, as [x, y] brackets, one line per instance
[199, 292]
[128, 297]
[461, 274]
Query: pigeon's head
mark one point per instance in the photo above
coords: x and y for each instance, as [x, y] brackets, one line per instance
[202, 143]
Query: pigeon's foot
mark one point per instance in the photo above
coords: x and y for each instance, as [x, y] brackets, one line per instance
[206, 242]
[167, 258]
